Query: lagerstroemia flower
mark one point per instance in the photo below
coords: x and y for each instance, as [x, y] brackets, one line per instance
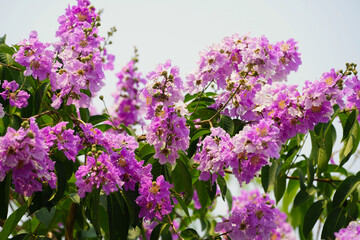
[99, 173]
[351, 232]
[163, 89]
[128, 107]
[254, 146]
[216, 154]
[154, 198]
[81, 65]
[254, 216]
[25, 154]
[16, 97]
[168, 134]
[35, 56]
[65, 139]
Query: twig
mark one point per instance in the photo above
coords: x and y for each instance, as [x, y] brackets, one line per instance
[9, 66]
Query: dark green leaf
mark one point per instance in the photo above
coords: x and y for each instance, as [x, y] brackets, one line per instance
[279, 187]
[190, 234]
[39, 95]
[334, 222]
[311, 216]
[202, 193]
[303, 195]
[265, 177]
[182, 180]
[222, 185]
[4, 197]
[45, 216]
[227, 124]
[84, 114]
[156, 232]
[94, 206]
[12, 221]
[15, 121]
[345, 189]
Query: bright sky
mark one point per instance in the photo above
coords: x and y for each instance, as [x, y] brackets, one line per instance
[178, 30]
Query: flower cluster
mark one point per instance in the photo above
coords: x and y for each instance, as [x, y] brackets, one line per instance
[154, 198]
[163, 89]
[352, 232]
[35, 56]
[168, 134]
[97, 172]
[16, 97]
[127, 107]
[253, 56]
[253, 216]
[81, 65]
[64, 139]
[117, 168]
[217, 153]
[25, 154]
[167, 131]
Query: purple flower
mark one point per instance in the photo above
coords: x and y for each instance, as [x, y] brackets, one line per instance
[35, 56]
[25, 153]
[154, 198]
[168, 133]
[97, 173]
[163, 89]
[16, 97]
[351, 232]
[253, 216]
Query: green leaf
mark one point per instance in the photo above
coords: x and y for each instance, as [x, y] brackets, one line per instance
[190, 234]
[156, 232]
[345, 189]
[128, 130]
[12, 221]
[182, 180]
[103, 127]
[202, 193]
[279, 187]
[349, 124]
[3, 39]
[39, 95]
[265, 177]
[350, 144]
[222, 185]
[84, 114]
[311, 216]
[303, 195]
[334, 222]
[94, 210]
[118, 217]
[45, 216]
[199, 133]
[96, 119]
[15, 121]
[227, 124]
[4, 198]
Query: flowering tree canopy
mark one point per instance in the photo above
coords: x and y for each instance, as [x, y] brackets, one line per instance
[156, 162]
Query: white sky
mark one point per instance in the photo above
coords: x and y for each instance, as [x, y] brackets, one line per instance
[327, 31]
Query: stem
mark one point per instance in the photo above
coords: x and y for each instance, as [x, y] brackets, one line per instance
[224, 106]
[9, 66]
[216, 236]
[173, 227]
[70, 221]
[202, 92]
